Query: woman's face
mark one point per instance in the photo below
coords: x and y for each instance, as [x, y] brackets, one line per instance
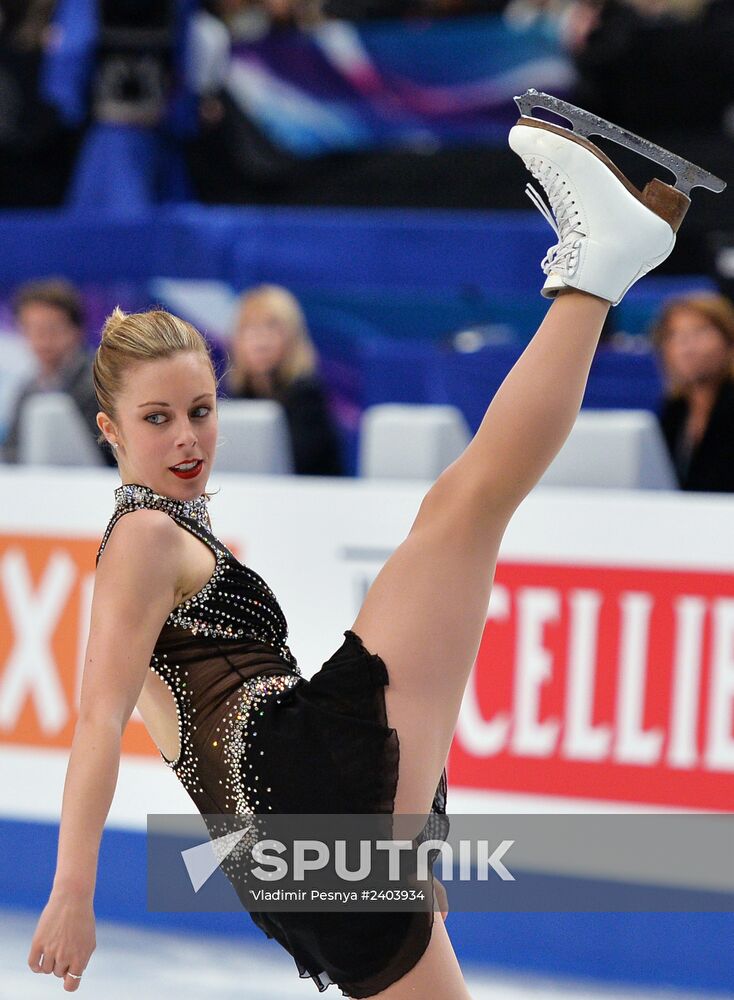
[695, 350]
[259, 342]
[166, 415]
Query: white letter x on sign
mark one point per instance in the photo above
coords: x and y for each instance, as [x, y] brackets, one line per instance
[30, 670]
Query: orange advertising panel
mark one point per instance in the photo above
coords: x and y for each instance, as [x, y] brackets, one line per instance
[606, 683]
[46, 586]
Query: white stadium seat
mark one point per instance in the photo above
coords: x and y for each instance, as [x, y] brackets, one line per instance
[253, 438]
[622, 449]
[410, 441]
[52, 431]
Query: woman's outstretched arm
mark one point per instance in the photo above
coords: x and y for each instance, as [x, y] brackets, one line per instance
[136, 586]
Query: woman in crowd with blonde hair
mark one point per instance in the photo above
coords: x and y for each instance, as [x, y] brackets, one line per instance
[273, 357]
[694, 337]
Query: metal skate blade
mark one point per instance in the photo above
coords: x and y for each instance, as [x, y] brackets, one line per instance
[688, 175]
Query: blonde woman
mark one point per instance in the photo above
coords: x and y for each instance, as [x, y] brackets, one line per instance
[694, 337]
[273, 357]
[199, 642]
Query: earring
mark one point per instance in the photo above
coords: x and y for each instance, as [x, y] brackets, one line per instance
[114, 445]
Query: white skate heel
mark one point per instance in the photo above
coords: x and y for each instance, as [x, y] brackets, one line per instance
[610, 234]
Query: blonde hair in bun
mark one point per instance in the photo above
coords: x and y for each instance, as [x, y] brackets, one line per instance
[130, 338]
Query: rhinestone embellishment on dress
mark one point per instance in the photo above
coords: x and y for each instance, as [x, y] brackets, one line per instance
[133, 494]
[240, 726]
[234, 734]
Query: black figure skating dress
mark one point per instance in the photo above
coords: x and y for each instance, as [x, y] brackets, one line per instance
[257, 737]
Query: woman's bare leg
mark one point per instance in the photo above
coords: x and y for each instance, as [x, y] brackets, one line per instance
[436, 974]
[426, 610]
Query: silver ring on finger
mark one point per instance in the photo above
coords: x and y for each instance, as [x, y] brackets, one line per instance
[73, 976]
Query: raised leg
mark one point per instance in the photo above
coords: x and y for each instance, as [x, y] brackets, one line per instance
[425, 612]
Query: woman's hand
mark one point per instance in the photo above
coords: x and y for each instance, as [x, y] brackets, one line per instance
[64, 939]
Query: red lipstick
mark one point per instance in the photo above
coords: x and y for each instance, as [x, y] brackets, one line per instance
[188, 473]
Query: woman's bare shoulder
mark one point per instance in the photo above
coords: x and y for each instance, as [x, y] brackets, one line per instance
[141, 527]
[145, 547]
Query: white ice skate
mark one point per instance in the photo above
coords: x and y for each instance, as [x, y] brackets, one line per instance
[609, 233]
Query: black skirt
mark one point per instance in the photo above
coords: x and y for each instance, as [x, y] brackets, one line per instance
[330, 750]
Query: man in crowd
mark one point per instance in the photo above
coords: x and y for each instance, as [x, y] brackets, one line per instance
[50, 316]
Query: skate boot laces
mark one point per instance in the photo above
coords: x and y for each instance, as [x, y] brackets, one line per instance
[562, 216]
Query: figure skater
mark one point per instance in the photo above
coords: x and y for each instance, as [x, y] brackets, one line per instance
[198, 641]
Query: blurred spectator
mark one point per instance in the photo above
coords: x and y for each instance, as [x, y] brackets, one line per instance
[117, 67]
[273, 357]
[36, 149]
[551, 14]
[134, 66]
[25, 22]
[630, 55]
[694, 336]
[229, 150]
[244, 15]
[247, 19]
[663, 69]
[362, 9]
[300, 13]
[50, 316]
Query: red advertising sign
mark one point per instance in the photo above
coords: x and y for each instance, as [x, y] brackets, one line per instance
[606, 683]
